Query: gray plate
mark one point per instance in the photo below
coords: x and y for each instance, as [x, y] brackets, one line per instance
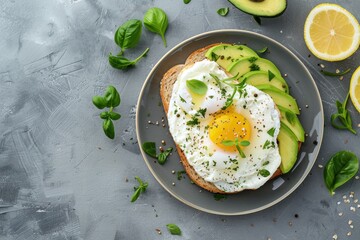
[302, 87]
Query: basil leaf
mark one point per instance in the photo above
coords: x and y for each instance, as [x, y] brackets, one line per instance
[341, 167]
[99, 102]
[342, 119]
[108, 127]
[112, 97]
[138, 190]
[264, 172]
[197, 86]
[104, 115]
[114, 115]
[149, 148]
[173, 229]
[162, 157]
[123, 63]
[128, 34]
[223, 11]
[155, 20]
[228, 143]
[187, 1]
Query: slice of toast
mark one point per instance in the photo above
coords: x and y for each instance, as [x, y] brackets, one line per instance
[166, 87]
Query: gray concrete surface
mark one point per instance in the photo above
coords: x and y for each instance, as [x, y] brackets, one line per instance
[61, 178]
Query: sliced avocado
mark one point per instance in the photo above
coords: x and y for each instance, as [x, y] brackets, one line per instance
[226, 54]
[288, 148]
[261, 77]
[280, 98]
[249, 64]
[261, 8]
[290, 119]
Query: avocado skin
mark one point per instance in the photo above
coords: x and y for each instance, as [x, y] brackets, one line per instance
[233, 2]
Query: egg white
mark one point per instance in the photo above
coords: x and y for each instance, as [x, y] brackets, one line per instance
[225, 169]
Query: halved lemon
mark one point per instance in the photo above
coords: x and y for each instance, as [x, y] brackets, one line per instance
[331, 32]
[355, 89]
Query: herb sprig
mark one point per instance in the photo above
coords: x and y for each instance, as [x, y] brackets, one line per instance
[111, 99]
[139, 189]
[155, 20]
[237, 144]
[121, 62]
[223, 11]
[342, 119]
[150, 149]
[173, 229]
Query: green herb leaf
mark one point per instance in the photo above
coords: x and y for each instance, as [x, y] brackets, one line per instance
[214, 57]
[219, 196]
[139, 189]
[264, 172]
[228, 143]
[194, 121]
[341, 167]
[155, 20]
[254, 67]
[263, 50]
[342, 119]
[120, 62]
[271, 131]
[114, 115]
[271, 75]
[197, 86]
[180, 174]
[202, 112]
[128, 34]
[99, 102]
[244, 143]
[108, 127]
[187, 1]
[104, 115]
[149, 148]
[162, 157]
[223, 11]
[335, 74]
[229, 100]
[242, 154]
[173, 229]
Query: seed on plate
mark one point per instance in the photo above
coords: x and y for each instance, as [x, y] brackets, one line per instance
[352, 209]
[335, 237]
[285, 75]
[341, 78]
[337, 70]
[350, 222]
[320, 166]
[340, 214]
[149, 122]
[157, 123]
[163, 142]
[173, 184]
[161, 149]
[356, 200]
[338, 203]
[349, 234]
[307, 106]
[357, 177]
[351, 226]
[322, 65]
[173, 171]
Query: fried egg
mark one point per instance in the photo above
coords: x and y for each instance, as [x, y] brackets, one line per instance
[228, 137]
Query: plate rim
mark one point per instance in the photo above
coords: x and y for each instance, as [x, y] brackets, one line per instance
[308, 168]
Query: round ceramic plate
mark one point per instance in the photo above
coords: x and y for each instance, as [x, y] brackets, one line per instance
[302, 87]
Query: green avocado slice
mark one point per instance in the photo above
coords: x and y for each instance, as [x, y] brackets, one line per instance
[261, 8]
[288, 148]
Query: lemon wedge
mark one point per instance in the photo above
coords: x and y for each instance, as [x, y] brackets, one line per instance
[331, 32]
[355, 89]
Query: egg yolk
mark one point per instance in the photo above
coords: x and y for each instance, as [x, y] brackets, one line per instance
[229, 125]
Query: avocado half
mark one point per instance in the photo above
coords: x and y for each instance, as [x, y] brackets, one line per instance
[261, 8]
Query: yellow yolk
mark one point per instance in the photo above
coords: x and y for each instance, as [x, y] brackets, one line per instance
[229, 125]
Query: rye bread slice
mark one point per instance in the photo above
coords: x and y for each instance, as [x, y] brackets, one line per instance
[166, 87]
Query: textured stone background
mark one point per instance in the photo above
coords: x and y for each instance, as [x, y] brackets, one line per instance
[61, 178]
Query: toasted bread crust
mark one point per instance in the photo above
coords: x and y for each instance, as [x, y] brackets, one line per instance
[166, 87]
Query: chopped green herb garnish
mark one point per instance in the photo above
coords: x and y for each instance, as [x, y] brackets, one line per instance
[162, 157]
[264, 172]
[253, 59]
[173, 229]
[291, 117]
[219, 196]
[271, 131]
[254, 67]
[271, 75]
[202, 112]
[223, 11]
[194, 121]
[180, 174]
[214, 56]
[182, 99]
